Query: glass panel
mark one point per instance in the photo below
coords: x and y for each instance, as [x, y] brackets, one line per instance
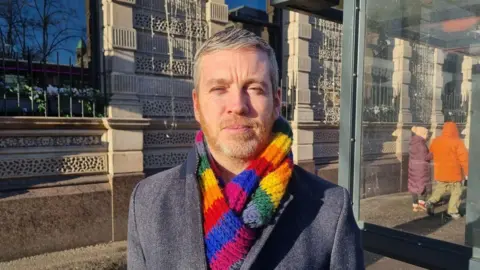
[421, 63]
[49, 64]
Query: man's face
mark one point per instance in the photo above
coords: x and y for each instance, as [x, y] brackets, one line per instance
[234, 102]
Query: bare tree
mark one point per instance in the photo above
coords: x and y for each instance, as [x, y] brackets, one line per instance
[39, 28]
[21, 27]
[8, 15]
[53, 25]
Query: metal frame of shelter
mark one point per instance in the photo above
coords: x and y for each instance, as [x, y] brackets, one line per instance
[410, 248]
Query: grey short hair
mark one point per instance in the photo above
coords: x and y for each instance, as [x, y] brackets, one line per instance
[235, 38]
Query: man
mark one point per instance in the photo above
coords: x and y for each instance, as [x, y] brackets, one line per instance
[450, 163]
[238, 202]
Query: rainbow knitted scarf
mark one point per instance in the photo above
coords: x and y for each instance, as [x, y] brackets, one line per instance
[230, 225]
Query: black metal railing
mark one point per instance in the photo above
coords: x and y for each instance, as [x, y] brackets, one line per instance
[455, 107]
[288, 99]
[381, 105]
[33, 88]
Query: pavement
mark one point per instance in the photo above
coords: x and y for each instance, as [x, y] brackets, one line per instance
[393, 211]
[110, 256]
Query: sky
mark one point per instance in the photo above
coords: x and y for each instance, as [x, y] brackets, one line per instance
[80, 8]
[258, 4]
[79, 22]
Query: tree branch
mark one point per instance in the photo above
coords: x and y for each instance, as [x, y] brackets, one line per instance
[37, 8]
[59, 34]
[36, 40]
[53, 46]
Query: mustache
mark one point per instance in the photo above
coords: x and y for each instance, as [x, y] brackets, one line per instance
[238, 121]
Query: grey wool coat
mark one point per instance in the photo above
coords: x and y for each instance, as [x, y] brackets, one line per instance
[314, 227]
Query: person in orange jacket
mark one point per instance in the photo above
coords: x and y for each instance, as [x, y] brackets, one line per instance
[450, 159]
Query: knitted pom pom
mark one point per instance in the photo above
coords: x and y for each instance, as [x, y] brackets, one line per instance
[252, 217]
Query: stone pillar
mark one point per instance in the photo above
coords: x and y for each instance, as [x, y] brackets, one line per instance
[216, 15]
[401, 78]
[120, 43]
[298, 69]
[467, 66]
[437, 118]
[125, 154]
[368, 63]
[125, 121]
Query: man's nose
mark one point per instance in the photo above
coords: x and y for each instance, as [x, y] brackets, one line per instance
[238, 102]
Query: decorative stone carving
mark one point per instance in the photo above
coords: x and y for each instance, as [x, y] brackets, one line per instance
[332, 115]
[325, 150]
[44, 166]
[123, 38]
[123, 83]
[326, 135]
[158, 44]
[161, 65]
[178, 26]
[151, 85]
[163, 160]
[159, 108]
[168, 138]
[218, 12]
[181, 8]
[164, 86]
[378, 134]
[49, 141]
[379, 147]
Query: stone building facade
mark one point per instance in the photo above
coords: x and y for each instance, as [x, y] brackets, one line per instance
[66, 182]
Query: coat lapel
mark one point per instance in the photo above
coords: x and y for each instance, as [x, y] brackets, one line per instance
[266, 233]
[195, 248]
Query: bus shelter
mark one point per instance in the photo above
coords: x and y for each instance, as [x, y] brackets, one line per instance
[405, 64]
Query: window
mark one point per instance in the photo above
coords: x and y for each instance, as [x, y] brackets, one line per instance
[421, 64]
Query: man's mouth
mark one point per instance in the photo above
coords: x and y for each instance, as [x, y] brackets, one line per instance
[238, 128]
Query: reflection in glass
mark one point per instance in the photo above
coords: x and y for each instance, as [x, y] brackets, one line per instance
[422, 60]
[378, 262]
[48, 67]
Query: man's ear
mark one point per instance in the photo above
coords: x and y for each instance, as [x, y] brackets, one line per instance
[277, 101]
[196, 106]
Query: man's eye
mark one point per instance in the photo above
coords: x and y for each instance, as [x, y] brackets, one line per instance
[220, 88]
[257, 89]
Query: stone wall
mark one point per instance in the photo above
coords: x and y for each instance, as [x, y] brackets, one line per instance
[45, 147]
[166, 147]
[66, 183]
[54, 185]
